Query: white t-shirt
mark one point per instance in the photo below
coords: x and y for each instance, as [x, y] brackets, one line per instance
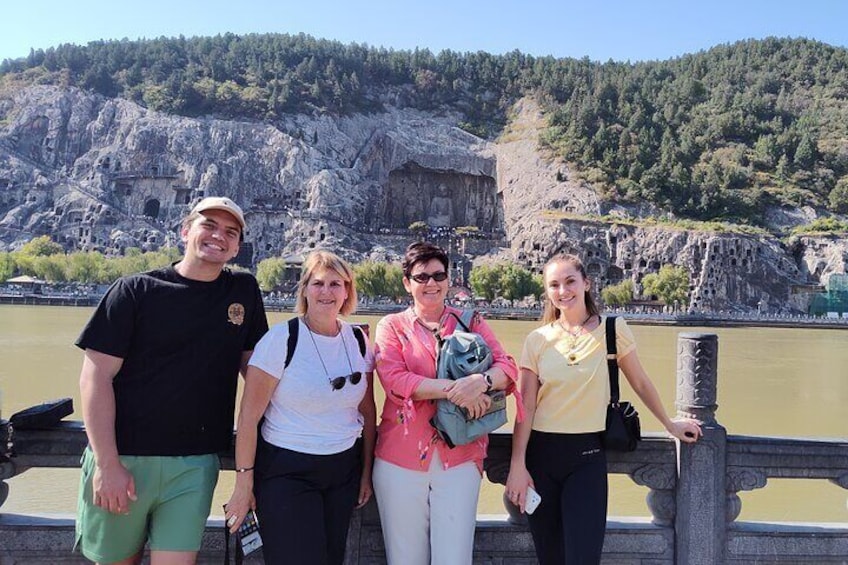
[305, 413]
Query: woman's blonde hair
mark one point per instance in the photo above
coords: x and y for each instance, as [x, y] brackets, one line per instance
[326, 260]
[552, 313]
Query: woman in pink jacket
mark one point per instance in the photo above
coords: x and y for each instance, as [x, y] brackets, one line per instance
[426, 491]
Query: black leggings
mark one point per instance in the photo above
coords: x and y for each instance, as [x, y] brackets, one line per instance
[570, 474]
[304, 503]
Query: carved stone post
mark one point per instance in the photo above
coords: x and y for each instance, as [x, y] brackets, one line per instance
[700, 524]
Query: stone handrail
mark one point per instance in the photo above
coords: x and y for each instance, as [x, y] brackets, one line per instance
[692, 494]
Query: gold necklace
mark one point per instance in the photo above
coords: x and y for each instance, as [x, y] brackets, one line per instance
[573, 336]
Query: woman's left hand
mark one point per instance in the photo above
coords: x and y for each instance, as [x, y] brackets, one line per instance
[685, 429]
[466, 391]
[479, 406]
[237, 507]
[365, 491]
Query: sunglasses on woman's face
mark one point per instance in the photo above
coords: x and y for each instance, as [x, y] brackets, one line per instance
[339, 382]
[422, 278]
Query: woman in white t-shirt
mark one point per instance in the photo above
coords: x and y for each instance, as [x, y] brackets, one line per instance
[312, 460]
[565, 386]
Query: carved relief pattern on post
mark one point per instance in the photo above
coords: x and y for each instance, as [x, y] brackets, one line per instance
[697, 361]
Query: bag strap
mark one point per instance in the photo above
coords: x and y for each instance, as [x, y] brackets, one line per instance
[465, 320]
[239, 555]
[291, 344]
[360, 339]
[612, 359]
[294, 329]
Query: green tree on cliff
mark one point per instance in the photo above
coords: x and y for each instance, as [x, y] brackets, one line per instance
[376, 279]
[39, 246]
[419, 229]
[7, 266]
[270, 273]
[505, 280]
[485, 281]
[31, 258]
[619, 294]
[671, 285]
[51, 268]
[838, 197]
[517, 282]
[86, 267]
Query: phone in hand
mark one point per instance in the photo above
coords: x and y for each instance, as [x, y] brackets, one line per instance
[532, 500]
[248, 533]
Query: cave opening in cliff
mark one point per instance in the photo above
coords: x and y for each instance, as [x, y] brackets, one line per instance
[151, 208]
[440, 199]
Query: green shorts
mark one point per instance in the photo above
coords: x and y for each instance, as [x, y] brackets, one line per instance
[174, 499]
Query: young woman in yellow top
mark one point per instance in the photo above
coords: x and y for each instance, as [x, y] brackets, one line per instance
[557, 448]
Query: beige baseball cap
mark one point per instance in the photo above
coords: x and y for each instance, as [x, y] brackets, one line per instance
[221, 203]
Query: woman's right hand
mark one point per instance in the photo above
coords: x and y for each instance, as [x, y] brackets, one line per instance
[516, 485]
[240, 502]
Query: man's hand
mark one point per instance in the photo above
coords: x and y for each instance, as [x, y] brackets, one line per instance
[113, 488]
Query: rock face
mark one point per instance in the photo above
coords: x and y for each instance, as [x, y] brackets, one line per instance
[727, 272]
[106, 174]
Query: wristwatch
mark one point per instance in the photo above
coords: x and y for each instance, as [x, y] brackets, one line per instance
[489, 383]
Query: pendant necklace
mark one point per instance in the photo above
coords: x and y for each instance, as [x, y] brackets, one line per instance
[321, 359]
[573, 335]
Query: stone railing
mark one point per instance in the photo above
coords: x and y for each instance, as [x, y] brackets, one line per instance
[692, 495]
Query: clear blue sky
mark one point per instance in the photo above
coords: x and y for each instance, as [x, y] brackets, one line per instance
[634, 30]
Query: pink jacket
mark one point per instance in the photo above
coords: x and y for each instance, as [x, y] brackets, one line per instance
[406, 354]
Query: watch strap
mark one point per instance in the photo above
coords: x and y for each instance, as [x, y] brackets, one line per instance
[489, 382]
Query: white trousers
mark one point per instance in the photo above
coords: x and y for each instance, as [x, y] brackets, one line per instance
[427, 516]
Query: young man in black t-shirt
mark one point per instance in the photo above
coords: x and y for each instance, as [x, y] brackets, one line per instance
[162, 355]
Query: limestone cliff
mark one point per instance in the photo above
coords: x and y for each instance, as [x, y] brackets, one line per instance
[106, 174]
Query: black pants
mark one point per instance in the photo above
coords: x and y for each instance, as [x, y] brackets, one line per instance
[304, 503]
[570, 474]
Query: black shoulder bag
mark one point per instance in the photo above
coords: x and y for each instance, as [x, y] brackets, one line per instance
[623, 430]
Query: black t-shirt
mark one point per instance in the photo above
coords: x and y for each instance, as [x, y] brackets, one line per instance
[181, 341]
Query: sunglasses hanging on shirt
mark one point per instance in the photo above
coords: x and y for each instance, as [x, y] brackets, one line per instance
[338, 382]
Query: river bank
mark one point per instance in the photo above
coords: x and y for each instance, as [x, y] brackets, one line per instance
[700, 319]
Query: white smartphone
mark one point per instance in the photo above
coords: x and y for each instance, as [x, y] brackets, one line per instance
[532, 500]
[248, 533]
